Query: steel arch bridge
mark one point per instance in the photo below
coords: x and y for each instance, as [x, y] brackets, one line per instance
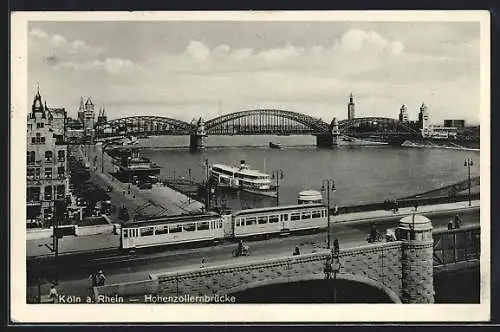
[266, 122]
[362, 127]
[143, 125]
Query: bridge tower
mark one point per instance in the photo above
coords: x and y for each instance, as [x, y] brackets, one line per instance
[423, 119]
[330, 138]
[198, 137]
[417, 277]
[351, 108]
[403, 114]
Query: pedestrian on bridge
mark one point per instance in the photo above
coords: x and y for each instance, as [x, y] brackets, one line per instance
[457, 221]
[416, 205]
[450, 224]
[93, 278]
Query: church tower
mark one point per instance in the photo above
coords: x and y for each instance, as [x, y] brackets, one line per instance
[350, 108]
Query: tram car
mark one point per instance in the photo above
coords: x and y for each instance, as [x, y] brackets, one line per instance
[214, 227]
[274, 220]
[172, 230]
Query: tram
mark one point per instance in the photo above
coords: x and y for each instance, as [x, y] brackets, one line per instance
[214, 227]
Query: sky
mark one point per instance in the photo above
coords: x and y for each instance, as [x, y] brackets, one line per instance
[188, 69]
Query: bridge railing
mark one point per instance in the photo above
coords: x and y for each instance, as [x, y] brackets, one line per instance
[457, 245]
[405, 203]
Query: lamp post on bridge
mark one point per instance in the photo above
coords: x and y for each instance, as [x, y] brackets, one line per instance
[469, 163]
[278, 174]
[328, 185]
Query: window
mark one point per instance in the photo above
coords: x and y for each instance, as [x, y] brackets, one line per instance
[30, 173]
[262, 220]
[146, 231]
[189, 227]
[61, 155]
[316, 214]
[37, 173]
[33, 140]
[175, 228]
[48, 155]
[48, 172]
[306, 215]
[61, 192]
[295, 216]
[161, 230]
[220, 223]
[125, 233]
[273, 219]
[284, 217]
[33, 194]
[30, 156]
[39, 125]
[47, 193]
[238, 222]
[47, 212]
[250, 221]
[60, 171]
[42, 140]
[203, 225]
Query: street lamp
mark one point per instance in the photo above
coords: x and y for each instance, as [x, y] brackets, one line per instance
[328, 185]
[468, 163]
[190, 185]
[278, 174]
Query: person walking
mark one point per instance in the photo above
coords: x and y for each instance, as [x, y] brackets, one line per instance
[457, 221]
[416, 205]
[101, 278]
[93, 278]
[336, 247]
[296, 252]
[336, 210]
[450, 224]
[53, 295]
[203, 261]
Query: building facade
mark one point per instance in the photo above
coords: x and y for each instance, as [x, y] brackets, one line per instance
[454, 123]
[47, 167]
[351, 108]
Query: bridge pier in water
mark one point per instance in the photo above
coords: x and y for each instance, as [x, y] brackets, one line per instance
[197, 142]
[198, 137]
[326, 141]
[329, 139]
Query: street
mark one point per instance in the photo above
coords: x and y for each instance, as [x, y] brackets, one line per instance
[139, 268]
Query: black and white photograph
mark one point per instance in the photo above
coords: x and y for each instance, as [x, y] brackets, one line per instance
[250, 166]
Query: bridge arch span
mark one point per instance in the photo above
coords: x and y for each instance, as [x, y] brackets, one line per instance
[394, 298]
[143, 125]
[265, 121]
[376, 124]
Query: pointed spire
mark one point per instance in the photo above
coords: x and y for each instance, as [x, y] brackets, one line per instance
[81, 104]
[37, 88]
[351, 98]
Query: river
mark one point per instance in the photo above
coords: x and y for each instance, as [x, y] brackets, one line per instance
[362, 174]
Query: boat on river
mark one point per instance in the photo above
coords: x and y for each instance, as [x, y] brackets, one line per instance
[274, 145]
[242, 178]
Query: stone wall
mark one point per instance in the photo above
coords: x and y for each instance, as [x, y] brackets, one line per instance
[379, 264]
